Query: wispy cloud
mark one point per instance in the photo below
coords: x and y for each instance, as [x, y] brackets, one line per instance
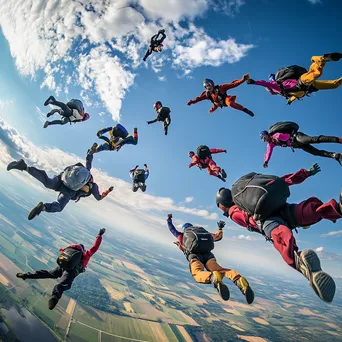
[189, 199]
[246, 237]
[314, 2]
[319, 249]
[333, 233]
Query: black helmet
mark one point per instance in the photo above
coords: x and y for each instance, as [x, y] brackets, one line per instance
[224, 197]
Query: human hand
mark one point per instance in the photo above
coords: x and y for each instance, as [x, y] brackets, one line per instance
[314, 169]
[190, 103]
[145, 165]
[111, 189]
[102, 231]
[265, 165]
[169, 216]
[221, 224]
[250, 81]
[225, 151]
[245, 77]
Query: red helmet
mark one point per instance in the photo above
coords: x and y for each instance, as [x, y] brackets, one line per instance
[157, 105]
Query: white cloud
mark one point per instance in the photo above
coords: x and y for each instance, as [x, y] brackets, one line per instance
[189, 199]
[246, 237]
[319, 249]
[333, 233]
[314, 2]
[105, 44]
[162, 78]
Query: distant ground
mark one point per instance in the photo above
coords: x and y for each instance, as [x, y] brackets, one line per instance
[133, 291]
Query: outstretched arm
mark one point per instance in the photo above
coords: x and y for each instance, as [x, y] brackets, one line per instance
[163, 36]
[103, 131]
[172, 228]
[202, 97]
[269, 151]
[234, 84]
[96, 193]
[217, 150]
[152, 121]
[89, 161]
[195, 161]
[90, 252]
[301, 175]
[274, 86]
[218, 235]
[147, 172]
[213, 108]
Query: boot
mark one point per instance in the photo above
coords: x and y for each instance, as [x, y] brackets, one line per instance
[36, 210]
[309, 265]
[143, 187]
[93, 149]
[53, 302]
[50, 100]
[338, 157]
[249, 112]
[21, 276]
[332, 57]
[135, 130]
[46, 124]
[165, 130]
[222, 289]
[220, 177]
[17, 165]
[245, 289]
[223, 173]
[250, 81]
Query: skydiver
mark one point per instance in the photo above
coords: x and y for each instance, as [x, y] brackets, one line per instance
[197, 243]
[72, 112]
[204, 161]
[139, 177]
[295, 82]
[156, 44]
[298, 140]
[163, 114]
[217, 94]
[73, 183]
[72, 261]
[241, 203]
[118, 138]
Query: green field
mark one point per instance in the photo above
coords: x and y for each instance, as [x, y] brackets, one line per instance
[81, 333]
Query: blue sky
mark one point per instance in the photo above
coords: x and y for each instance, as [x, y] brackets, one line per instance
[269, 34]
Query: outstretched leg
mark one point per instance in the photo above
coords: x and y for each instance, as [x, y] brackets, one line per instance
[42, 274]
[327, 84]
[230, 102]
[57, 206]
[41, 176]
[315, 71]
[64, 283]
[306, 139]
[67, 111]
[322, 153]
[148, 52]
[64, 121]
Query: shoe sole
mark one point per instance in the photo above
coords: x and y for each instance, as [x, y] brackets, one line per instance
[9, 168]
[32, 214]
[322, 283]
[224, 175]
[249, 294]
[223, 291]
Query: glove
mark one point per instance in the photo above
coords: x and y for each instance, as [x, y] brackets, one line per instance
[245, 77]
[135, 130]
[210, 110]
[315, 168]
[136, 166]
[250, 81]
[190, 103]
[289, 102]
[161, 31]
[265, 165]
[169, 216]
[99, 133]
[145, 165]
[111, 189]
[102, 231]
[221, 224]
[190, 166]
[225, 151]
[148, 122]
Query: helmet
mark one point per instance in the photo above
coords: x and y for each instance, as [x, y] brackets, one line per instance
[224, 197]
[263, 133]
[157, 104]
[160, 47]
[207, 82]
[86, 117]
[191, 153]
[271, 77]
[186, 225]
[82, 246]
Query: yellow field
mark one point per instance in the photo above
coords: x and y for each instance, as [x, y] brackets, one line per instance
[184, 333]
[128, 307]
[332, 325]
[4, 280]
[308, 312]
[132, 267]
[252, 338]
[71, 306]
[261, 321]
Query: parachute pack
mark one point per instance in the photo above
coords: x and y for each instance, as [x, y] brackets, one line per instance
[288, 127]
[164, 112]
[139, 176]
[289, 73]
[260, 195]
[70, 258]
[75, 176]
[197, 240]
[119, 131]
[203, 152]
